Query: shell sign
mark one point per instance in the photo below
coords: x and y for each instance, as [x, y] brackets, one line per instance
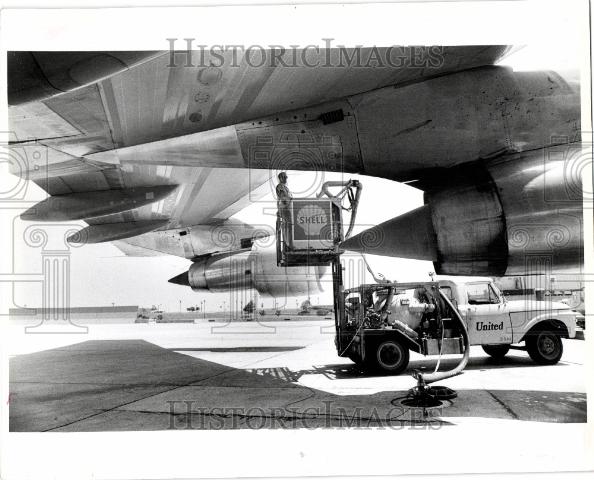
[312, 223]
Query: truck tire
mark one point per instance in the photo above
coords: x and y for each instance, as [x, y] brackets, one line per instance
[544, 347]
[388, 356]
[496, 351]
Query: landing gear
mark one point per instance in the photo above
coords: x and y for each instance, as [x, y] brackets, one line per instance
[389, 356]
[545, 347]
[496, 351]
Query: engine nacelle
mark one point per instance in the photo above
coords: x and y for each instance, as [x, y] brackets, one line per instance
[522, 214]
[252, 269]
[519, 214]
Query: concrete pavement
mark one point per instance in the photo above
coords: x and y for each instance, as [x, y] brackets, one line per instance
[278, 375]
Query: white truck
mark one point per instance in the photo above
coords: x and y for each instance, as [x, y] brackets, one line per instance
[381, 323]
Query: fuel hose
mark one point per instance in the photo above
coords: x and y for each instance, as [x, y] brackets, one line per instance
[437, 376]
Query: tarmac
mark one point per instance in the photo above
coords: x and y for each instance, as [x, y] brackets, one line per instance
[250, 375]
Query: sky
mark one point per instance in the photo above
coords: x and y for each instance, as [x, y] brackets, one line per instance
[102, 275]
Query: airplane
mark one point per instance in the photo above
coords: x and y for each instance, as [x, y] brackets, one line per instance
[155, 151]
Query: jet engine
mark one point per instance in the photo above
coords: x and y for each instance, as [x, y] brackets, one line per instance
[519, 214]
[252, 269]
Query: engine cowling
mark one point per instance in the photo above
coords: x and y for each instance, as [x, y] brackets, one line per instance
[519, 214]
[523, 216]
[252, 269]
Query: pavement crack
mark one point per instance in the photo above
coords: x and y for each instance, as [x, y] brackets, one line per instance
[505, 407]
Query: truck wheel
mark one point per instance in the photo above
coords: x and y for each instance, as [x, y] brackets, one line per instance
[390, 356]
[496, 351]
[545, 347]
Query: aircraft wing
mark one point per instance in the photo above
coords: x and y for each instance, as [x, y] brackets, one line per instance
[67, 136]
[164, 97]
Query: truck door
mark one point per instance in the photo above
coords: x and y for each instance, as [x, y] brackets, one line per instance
[487, 318]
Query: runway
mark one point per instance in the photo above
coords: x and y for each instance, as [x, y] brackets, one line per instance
[242, 375]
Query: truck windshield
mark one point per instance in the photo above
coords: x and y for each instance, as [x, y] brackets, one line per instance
[481, 293]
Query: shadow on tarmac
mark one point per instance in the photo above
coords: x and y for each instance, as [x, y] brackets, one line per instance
[341, 371]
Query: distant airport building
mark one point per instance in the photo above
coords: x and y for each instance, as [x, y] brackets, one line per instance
[98, 314]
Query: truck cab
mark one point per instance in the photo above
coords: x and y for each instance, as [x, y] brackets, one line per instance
[483, 307]
[496, 323]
